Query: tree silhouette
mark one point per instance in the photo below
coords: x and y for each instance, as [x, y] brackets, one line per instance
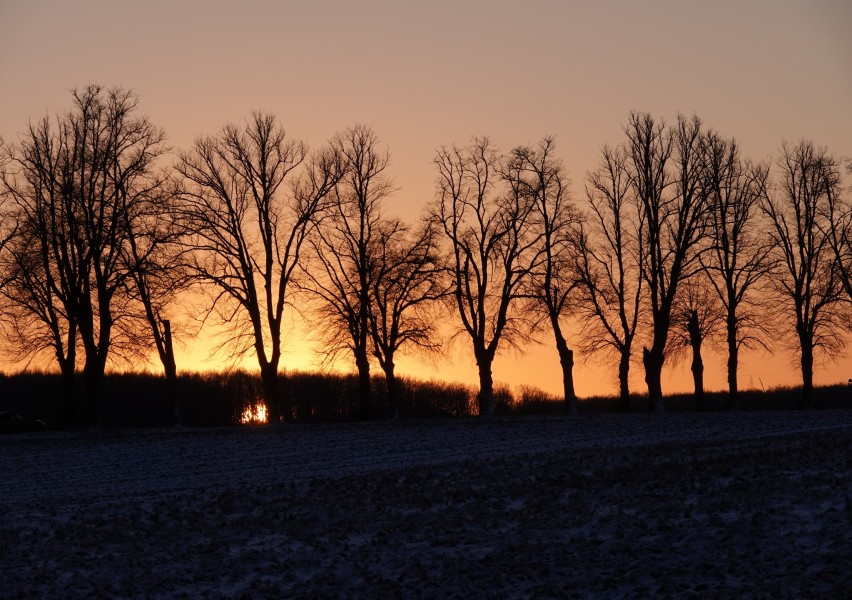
[696, 315]
[492, 249]
[667, 176]
[342, 270]
[407, 282]
[248, 226]
[808, 280]
[35, 321]
[738, 260]
[156, 260]
[35, 290]
[79, 190]
[610, 263]
[535, 171]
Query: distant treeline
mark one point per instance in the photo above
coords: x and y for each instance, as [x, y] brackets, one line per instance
[213, 399]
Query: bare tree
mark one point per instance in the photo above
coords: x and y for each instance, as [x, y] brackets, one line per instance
[492, 251]
[36, 290]
[35, 319]
[535, 171]
[610, 262]
[666, 171]
[738, 260]
[696, 316]
[78, 189]
[156, 260]
[808, 280]
[248, 226]
[342, 270]
[407, 282]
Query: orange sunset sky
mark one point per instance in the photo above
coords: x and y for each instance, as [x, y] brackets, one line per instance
[425, 74]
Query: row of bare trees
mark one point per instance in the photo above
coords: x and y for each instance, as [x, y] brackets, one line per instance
[100, 241]
[681, 219]
[678, 239]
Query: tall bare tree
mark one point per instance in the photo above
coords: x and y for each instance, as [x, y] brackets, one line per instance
[35, 320]
[78, 189]
[808, 280]
[249, 214]
[537, 172]
[667, 174]
[492, 249]
[35, 289]
[738, 260]
[407, 283]
[610, 263]
[342, 272]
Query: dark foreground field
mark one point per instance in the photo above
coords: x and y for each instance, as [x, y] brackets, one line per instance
[613, 506]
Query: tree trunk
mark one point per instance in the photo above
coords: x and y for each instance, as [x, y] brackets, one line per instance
[92, 373]
[653, 362]
[393, 395]
[269, 385]
[807, 374]
[170, 369]
[623, 379]
[363, 364]
[485, 398]
[93, 378]
[566, 360]
[733, 360]
[68, 366]
[697, 363]
[69, 410]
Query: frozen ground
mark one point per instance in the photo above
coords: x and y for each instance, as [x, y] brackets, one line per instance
[720, 505]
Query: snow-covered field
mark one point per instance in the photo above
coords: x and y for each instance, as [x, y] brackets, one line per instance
[610, 506]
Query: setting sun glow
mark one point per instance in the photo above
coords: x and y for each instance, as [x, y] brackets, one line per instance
[254, 414]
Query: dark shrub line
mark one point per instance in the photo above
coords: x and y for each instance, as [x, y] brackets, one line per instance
[212, 399]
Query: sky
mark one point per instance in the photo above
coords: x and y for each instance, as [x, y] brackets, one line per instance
[426, 74]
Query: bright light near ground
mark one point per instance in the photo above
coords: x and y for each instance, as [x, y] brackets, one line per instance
[254, 415]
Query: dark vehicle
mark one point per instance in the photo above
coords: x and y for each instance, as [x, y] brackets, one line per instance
[12, 422]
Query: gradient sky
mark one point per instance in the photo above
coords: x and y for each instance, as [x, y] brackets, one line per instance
[423, 74]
